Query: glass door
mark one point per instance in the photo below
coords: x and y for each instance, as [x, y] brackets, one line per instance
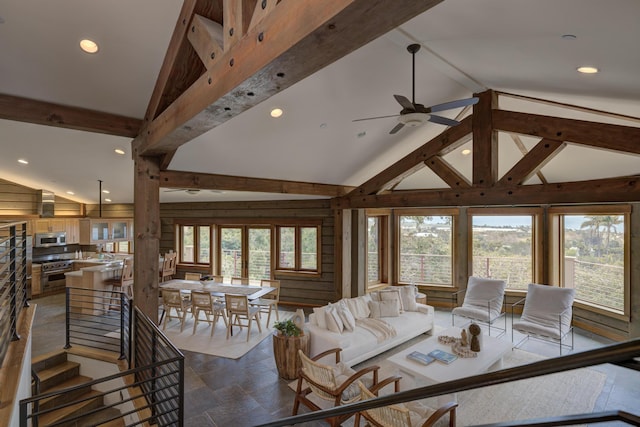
[245, 252]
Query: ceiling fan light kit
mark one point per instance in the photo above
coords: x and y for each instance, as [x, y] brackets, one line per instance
[413, 114]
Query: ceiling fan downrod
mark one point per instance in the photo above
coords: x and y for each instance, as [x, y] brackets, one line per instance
[413, 48]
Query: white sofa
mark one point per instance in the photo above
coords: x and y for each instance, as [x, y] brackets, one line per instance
[410, 320]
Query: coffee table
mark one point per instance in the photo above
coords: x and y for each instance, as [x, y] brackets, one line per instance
[492, 351]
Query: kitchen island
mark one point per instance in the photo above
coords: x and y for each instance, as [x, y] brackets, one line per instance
[90, 289]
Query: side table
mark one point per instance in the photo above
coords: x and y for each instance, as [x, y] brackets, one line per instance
[285, 352]
[421, 298]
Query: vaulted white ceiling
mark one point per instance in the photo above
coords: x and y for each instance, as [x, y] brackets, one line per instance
[514, 46]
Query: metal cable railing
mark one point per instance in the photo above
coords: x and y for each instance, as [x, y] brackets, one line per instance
[150, 393]
[622, 354]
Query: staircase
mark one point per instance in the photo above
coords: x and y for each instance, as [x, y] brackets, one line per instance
[57, 373]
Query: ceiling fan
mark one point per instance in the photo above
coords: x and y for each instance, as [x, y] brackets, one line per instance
[413, 114]
[190, 190]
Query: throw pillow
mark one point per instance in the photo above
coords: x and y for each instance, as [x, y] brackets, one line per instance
[334, 323]
[393, 295]
[357, 307]
[320, 317]
[389, 308]
[347, 318]
[408, 297]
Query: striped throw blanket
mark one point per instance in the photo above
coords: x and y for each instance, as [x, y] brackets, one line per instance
[378, 327]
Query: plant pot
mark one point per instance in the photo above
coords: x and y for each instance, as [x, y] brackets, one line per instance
[285, 352]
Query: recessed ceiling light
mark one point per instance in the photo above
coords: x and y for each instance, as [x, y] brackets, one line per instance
[587, 70]
[276, 112]
[107, 200]
[88, 46]
[106, 191]
[119, 151]
[71, 193]
[466, 152]
[23, 161]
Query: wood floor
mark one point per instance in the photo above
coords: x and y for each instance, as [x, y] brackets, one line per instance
[245, 392]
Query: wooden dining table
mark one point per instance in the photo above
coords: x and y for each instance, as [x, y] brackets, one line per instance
[217, 289]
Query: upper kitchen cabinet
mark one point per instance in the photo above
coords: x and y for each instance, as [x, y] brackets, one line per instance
[104, 230]
[54, 225]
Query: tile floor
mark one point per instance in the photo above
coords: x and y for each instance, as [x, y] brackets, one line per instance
[245, 392]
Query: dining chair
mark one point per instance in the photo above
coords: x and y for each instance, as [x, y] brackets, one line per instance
[409, 414]
[239, 310]
[217, 278]
[172, 299]
[322, 386]
[192, 276]
[168, 266]
[269, 301]
[239, 280]
[203, 302]
[123, 282]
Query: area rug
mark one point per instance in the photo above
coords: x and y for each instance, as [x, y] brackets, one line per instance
[571, 392]
[218, 344]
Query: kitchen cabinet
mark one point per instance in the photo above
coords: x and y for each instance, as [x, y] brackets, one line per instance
[72, 226]
[50, 225]
[105, 230]
[36, 275]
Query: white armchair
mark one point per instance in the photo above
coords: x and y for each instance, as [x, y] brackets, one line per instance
[483, 301]
[547, 315]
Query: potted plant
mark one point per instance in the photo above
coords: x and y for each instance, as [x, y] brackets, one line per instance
[288, 328]
[287, 340]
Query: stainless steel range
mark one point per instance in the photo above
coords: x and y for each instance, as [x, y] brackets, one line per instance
[52, 275]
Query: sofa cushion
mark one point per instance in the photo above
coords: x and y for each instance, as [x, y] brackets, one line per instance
[334, 322]
[388, 308]
[408, 297]
[358, 307]
[320, 316]
[392, 294]
[347, 318]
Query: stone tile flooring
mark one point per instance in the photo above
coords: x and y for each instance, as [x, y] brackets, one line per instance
[245, 392]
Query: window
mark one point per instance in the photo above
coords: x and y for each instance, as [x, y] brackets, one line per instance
[298, 248]
[503, 246]
[377, 247]
[245, 251]
[195, 244]
[593, 258]
[425, 247]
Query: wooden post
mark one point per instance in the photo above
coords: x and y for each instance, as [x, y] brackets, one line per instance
[146, 226]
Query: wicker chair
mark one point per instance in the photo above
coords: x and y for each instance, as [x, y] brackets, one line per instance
[322, 386]
[270, 300]
[192, 276]
[239, 310]
[410, 414]
[172, 299]
[205, 303]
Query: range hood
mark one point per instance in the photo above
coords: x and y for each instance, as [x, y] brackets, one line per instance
[46, 203]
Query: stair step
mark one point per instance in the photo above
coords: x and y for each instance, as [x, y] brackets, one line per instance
[54, 375]
[69, 411]
[61, 399]
[48, 360]
[96, 420]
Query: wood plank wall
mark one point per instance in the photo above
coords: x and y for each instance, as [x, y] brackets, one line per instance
[20, 201]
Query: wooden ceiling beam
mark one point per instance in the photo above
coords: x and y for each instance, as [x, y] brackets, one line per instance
[447, 173]
[613, 190]
[262, 9]
[180, 179]
[485, 141]
[206, 38]
[48, 114]
[442, 144]
[296, 39]
[532, 162]
[523, 149]
[592, 134]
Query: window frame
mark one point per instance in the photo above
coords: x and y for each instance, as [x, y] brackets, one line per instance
[297, 269]
[383, 217]
[454, 213]
[536, 240]
[556, 252]
[196, 243]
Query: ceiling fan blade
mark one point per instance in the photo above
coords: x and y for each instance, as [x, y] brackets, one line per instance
[404, 102]
[373, 118]
[442, 120]
[453, 104]
[397, 128]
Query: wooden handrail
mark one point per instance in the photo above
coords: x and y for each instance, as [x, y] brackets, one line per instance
[622, 353]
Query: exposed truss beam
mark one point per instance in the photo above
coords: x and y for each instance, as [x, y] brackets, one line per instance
[294, 40]
[523, 149]
[179, 179]
[45, 113]
[447, 173]
[598, 135]
[442, 144]
[485, 141]
[532, 162]
[624, 189]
